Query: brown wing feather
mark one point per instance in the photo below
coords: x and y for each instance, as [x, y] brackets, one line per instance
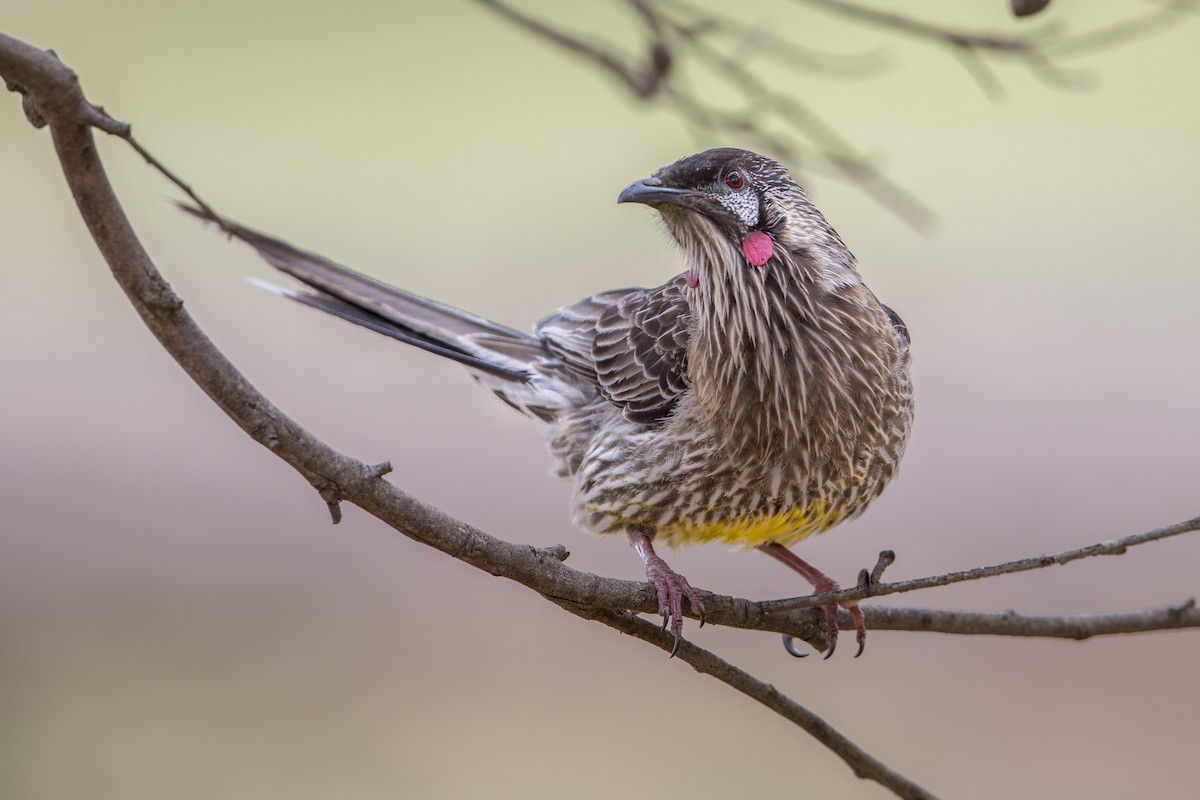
[631, 342]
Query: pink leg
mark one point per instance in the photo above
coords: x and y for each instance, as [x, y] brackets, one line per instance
[669, 585]
[822, 583]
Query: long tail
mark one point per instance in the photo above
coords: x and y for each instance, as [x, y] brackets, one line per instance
[473, 341]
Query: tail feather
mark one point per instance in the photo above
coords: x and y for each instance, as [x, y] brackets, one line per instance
[443, 330]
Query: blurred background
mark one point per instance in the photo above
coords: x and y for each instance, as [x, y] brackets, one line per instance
[179, 619]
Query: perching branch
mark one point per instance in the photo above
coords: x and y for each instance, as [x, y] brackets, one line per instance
[1114, 547]
[1010, 623]
[52, 96]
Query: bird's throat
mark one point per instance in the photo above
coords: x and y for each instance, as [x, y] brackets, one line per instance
[752, 353]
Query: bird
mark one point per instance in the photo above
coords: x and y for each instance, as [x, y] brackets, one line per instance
[760, 397]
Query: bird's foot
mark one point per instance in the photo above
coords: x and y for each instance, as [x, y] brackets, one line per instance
[669, 586]
[822, 584]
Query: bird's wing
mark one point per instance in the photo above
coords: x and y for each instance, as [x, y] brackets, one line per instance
[631, 342]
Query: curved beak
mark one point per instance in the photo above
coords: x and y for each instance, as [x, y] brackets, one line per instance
[650, 191]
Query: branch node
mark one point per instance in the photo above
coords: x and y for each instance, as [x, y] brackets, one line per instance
[32, 113]
[101, 119]
[557, 552]
[886, 559]
[28, 104]
[267, 433]
[332, 495]
[379, 470]
[161, 297]
[1178, 611]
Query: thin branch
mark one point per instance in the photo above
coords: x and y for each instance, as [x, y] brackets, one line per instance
[1165, 16]
[1049, 41]
[644, 82]
[1010, 623]
[702, 21]
[832, 147]
[705, 662]
[927, 30]
[1114, 547]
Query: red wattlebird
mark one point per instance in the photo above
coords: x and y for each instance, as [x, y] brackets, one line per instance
[758, 398]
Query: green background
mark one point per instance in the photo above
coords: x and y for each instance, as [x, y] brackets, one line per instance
[178, 619]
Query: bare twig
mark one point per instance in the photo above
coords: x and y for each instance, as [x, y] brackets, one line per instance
[708, 663]
[1115, 547]
[699, 21]
[1155, 20]
[763, 102]
[642, 81]
[1010, 623]
[1050, 41]
[928, 30]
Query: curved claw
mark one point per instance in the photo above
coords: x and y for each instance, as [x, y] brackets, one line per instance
[675, 646]
[789, 644]
[864, 582]
[822, 583]
[831, 629]
[860, 629]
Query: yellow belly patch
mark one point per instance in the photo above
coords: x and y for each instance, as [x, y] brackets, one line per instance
[787, 528]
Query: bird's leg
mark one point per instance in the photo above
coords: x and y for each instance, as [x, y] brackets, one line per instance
[822, 583]
[669, 585]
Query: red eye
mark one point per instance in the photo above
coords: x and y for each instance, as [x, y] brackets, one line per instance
[733, 179]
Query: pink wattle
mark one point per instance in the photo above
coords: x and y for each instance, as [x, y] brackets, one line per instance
[693, 277]
[757, 247]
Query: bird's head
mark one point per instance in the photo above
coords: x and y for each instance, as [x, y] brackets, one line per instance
[728, 206]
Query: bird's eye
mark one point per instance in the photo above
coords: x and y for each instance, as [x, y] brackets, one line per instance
[733, 179]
